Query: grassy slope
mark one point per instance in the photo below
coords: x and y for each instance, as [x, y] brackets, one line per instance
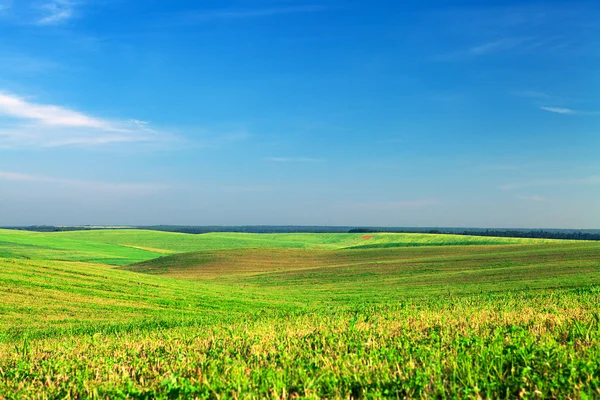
[49, 246]
[385, 274]
[122, 247]
[275, 321]
[179, 242]
[45, 294]
[41, 297]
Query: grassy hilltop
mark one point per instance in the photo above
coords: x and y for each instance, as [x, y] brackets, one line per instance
[122, 247]
[144, 314]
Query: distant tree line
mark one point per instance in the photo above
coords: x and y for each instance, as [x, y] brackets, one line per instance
[538, 234]
[516, 233]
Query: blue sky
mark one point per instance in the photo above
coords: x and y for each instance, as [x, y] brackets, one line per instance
[332, 112]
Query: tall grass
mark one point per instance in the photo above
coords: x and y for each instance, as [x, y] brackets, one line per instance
[532, 344]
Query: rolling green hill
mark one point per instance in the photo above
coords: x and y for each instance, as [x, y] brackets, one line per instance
[49, 246]
[122, 247]
[179, 242]
[142, 314]
[70, 274]
[370, 274]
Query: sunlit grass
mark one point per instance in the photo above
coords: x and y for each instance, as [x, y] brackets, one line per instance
[122, 247]
[319, 319]
[528, 344]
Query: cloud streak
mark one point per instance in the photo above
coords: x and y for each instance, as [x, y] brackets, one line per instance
[47, 114]
[57, 12]
[122, 188]
[567, 111]
[29, 124]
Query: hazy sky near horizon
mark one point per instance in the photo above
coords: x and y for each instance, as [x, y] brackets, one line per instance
[328, 112]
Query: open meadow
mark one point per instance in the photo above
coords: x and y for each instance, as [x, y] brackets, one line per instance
[144, 314]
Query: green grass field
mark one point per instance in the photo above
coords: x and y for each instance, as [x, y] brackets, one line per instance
[143, 314]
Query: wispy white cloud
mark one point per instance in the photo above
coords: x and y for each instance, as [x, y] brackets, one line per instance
[42, 13]
[56, 12]
[231, 14]
[535, 198]
[50, 115]
[590, 180]
[293, 159]
[29, 124]
[87, 185]
[16, 176]
[558, 110]
[553, 26]
[568, 111]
